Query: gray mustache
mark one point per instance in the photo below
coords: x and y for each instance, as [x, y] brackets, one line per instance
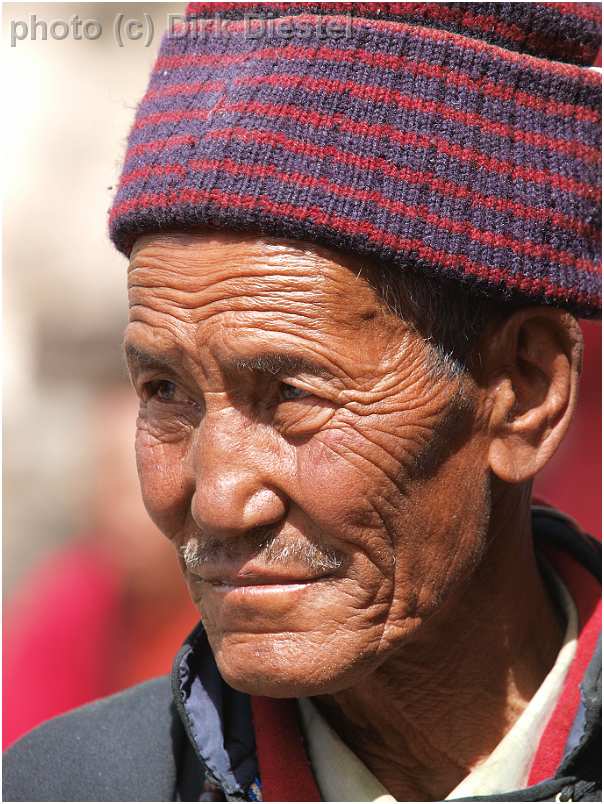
[265, 545]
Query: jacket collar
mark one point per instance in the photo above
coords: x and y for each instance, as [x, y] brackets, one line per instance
[217, 719]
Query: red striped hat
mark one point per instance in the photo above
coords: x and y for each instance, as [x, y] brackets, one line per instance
[457, 138]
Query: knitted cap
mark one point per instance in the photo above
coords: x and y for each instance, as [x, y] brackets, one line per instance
[462, 139]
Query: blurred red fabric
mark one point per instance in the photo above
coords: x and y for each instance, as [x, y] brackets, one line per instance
[58, 638]
[73, 634]
[572, 480]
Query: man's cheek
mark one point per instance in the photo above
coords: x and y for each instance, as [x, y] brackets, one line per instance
[164, 487]
[342, 495]
[353, 471]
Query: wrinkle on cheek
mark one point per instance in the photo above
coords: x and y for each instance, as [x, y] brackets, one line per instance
[375, 448]
[375, 465]
[414, 431]
[161, 461]
[306, 421]
[342, 457]
[392, 454]
[170, 430]
[353, 511]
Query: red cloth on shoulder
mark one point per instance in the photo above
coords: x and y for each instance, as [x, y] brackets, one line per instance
[586, 593]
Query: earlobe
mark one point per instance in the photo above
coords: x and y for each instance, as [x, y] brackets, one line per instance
[534, 361]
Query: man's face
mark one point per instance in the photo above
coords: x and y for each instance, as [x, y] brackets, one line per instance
[327, 493]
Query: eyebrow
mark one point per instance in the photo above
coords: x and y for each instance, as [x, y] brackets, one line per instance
[276, 363]
[267, 363]
[135, 357]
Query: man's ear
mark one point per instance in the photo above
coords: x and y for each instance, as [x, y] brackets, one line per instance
[532, 364]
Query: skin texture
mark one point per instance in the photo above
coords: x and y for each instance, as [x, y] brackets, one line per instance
[398, 497]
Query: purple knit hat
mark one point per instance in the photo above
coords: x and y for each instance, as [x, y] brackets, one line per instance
[458, 138]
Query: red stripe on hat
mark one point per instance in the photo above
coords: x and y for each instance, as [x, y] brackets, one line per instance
[468, 20]
[436, 12]
[545, 67]
[499, 90]
[586, 593]
[540, 65]
[587, 11]
[417, 211]
[175, 141]
[377, 94]
[285, 770]
[406, 138]
[350, 226]
[437, 183]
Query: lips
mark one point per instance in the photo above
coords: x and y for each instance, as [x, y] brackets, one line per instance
[252, 575]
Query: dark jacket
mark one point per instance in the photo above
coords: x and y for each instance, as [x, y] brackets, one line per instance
[167, 739]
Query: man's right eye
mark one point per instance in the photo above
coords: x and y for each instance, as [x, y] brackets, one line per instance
[162, 390]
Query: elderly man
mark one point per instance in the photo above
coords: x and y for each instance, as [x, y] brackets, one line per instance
[358, 237]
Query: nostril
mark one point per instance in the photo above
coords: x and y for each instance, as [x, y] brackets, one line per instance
[235, 503]
[263, 509]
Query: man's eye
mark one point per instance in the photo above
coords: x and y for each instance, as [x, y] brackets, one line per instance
[162, 390]
[291, 392]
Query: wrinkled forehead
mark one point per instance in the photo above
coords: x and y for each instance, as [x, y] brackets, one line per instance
[209, 273]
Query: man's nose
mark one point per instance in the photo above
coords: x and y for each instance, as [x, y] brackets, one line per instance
[233, 493]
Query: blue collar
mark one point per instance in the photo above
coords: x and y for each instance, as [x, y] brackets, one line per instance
[217, 719]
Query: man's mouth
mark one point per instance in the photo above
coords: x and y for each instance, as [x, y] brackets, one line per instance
[225, 578]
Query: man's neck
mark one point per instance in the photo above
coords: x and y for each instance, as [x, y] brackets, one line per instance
[426, 717]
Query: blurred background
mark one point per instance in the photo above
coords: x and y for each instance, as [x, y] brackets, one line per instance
[92, 596]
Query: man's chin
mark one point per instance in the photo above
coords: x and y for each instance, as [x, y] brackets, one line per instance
[272, 687]
[282, 685]
[283, 666]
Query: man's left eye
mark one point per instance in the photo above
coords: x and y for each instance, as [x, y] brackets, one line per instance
[291, 392]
